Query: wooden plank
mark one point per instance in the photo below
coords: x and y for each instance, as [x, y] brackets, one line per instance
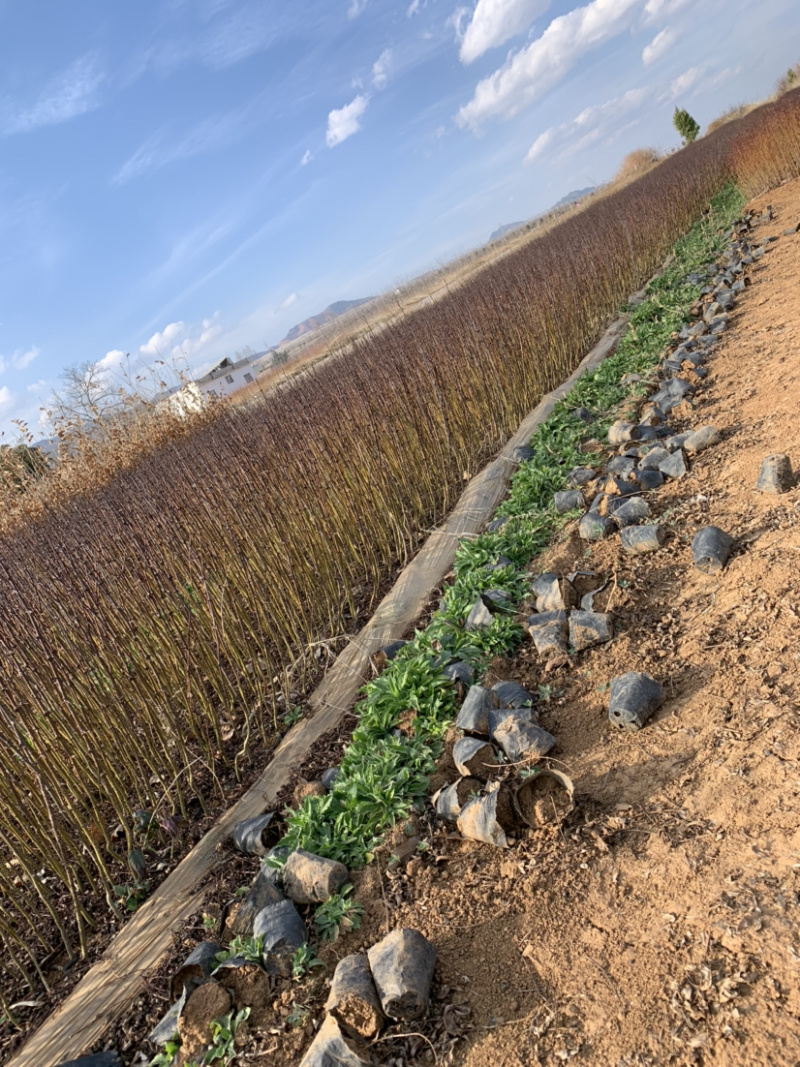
[108, 989]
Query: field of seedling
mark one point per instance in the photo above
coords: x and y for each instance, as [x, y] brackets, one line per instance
[158, 634]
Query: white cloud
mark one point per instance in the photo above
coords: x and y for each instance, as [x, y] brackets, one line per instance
[529, 74]
[7, 399]
[661, 43]
[38, 387]
[21, 359]
[68, 95]
[457, 20]
[307, 157]
[685, 82]
[161, 344]
[381, 68]
[414, 7]
[343, 122]
[112, 361]
[3, 364]
[696, 80]
[292, 298]
[356, 7]
[495, 21]
[657, 10]
[598, 122]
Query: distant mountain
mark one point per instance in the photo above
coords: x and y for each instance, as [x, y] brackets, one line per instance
[576, 194]
[501, 230]
[333, 311]
[565, 201]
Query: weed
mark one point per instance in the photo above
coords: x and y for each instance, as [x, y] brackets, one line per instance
[132, 895]
[168, 1056]
[338, 914]
[303, 960]
[247, 948]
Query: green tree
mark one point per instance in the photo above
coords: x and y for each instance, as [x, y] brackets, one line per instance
[685, 125]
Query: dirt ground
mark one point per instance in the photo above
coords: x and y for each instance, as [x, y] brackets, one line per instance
[657, 924]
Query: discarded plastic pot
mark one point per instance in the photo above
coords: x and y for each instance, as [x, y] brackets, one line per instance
[569, 500]
[282, 932]
[675, 466]
[473, 758]
[711, 548]
[649, 480]
[521, 739]
[310, 879]
[402, 969]
[249, 835]
[552, 593]
[545, 797]
[461, 675]
[449, 800]
[489, 818]
[261, 894]
[621, 432]
[199, 964]
[96, 1059]
[512, 695]
[549, 632]
[776, 474]
[328, 778]
[653, 458]
[589, 628]
[473, 717]
[632, 512]
[701, 439]
[580, 476]
[594, 527]
[633, 699]
[353, 1000]
[330, 1049]
[639, 540]
[166, 1029]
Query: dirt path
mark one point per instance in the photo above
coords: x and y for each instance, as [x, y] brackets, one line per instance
[658, 925]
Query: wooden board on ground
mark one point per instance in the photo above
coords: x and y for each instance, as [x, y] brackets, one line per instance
[108, 989]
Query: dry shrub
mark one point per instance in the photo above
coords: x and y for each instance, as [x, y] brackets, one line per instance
[737, 112]
[148, 621]
[788, 81]
[767, 150]
[637, 163]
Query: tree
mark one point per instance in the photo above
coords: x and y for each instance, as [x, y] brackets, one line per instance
[86, 394]
[685, 125]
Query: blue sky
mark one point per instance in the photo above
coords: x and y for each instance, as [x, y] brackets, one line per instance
[181, 178]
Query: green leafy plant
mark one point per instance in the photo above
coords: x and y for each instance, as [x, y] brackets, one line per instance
[303, 960]
[132, 895]
[298, 1015]
[338, 914]
[167, 1057]
[293, 715]
[223, 1036]
[247, 948]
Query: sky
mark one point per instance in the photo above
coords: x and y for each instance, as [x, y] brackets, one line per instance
[180, 179]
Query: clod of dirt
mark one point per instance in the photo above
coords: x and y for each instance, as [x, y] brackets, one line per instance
[250, 986]
[310, 879]
[402, 968]
[208, 1002]
[544, 798]
[307, 789]
[354, 1000]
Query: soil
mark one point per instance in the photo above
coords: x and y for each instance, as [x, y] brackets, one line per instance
[652, 920]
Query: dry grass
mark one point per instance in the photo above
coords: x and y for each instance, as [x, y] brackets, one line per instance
[154, 625]
[637, 163]
[768, 150]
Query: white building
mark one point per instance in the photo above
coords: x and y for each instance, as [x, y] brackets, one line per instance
[227, 377]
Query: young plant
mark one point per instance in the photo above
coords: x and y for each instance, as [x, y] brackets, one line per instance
[338, 915]
[303, 960]
[247, 948]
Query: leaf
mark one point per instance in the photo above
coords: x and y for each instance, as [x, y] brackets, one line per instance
[137, 863]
